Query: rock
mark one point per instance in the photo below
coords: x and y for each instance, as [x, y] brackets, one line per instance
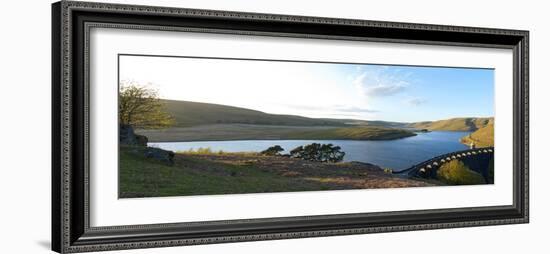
[141, 140]
[159, 154]
[127, 136]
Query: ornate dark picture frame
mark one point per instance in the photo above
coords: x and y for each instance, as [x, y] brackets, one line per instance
[71, 231]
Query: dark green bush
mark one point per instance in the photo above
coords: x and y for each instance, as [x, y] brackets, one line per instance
[457, 173]
[272, 151]
[318, 152]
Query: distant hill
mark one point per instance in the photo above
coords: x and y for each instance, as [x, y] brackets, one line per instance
[354, 133]
[484, 136]
[207, 121]
[218, 132]
[455, 124]
[189, 113]
[374, 123]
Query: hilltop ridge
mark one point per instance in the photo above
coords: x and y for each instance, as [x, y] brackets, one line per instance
[455, 124]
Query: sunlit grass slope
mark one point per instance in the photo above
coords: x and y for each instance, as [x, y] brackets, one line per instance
[455, 124]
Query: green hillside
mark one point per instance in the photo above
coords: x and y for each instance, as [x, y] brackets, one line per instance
[455, 124]
[206, 121]
[217, 132]
[354, 133]
[484, 136]
[189, 113]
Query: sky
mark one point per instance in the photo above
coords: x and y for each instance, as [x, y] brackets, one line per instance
[318, 90]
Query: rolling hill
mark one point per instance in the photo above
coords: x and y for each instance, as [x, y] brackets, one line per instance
[196, 121]
[354, 133]
[189, 113]
[455, 124]
[483, 137]
[218, 132]
[205, 121]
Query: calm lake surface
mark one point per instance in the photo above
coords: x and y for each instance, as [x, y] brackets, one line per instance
[394, 154]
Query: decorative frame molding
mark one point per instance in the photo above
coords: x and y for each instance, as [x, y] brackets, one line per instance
[71, 22]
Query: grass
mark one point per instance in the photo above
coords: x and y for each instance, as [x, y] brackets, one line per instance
[455, 172]
[354, 133]
[189, 113]
[143, 177]
[218, 132]
[210, 173]
[455, 124]
[197, 121]
[483, 137]
[199, 150]
[209, 151]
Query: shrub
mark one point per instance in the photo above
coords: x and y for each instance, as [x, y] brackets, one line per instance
[140, 107]
[457, 173]
[273, 151]
[200, 150]
[206, 150]
[318, 152]
[297, 152]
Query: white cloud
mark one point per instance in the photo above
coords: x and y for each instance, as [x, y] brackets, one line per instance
[416, 101]
[335, 110]
[273, 87]
[354, 109]
[380, 82]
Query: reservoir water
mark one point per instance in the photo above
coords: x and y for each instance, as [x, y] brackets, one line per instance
[395, 154]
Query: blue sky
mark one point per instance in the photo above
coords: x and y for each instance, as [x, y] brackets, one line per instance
[357, 91]
[414, 93]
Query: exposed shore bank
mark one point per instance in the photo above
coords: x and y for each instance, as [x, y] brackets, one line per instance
[226, 132]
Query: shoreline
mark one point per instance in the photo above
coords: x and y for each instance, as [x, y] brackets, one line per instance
[275, 139]
[234, 132]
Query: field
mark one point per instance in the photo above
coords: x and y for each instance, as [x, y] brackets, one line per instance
[454, 124]
[189, 113]
[482, 137]
[354, 133]
[217, 132]
[223, 173]
[196, 121]
[203, 172]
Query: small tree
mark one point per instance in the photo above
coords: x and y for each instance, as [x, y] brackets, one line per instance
[273, 151]
[318, 152]
[331, 153]
[140, 107]
[297, 152]
[457, 173]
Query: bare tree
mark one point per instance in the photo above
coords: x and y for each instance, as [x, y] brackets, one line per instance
[140, 107]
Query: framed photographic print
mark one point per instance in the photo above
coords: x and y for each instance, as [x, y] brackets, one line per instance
[181, 126]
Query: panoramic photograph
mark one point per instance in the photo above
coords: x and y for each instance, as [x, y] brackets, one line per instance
[215, 126]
